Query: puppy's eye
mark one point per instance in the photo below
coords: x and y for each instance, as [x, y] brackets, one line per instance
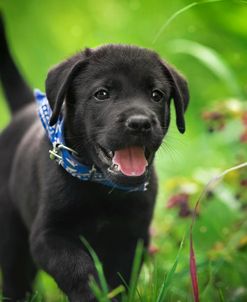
[102, 94]
[157, 95]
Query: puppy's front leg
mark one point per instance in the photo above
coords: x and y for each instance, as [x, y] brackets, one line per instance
[62, 256]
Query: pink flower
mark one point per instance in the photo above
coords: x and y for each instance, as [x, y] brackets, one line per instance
[244, 118]
[152, 250]
[177, 199]
[243, 182]
[181, 201]
[215, 120]
[213, 115]
[243, 137]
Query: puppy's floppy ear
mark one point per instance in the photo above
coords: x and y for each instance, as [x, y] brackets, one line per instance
[180, 94]
[59, 79]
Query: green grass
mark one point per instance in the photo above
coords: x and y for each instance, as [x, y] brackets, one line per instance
[208, 44]
[130, 293]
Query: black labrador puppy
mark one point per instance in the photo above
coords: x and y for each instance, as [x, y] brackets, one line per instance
[112, 107]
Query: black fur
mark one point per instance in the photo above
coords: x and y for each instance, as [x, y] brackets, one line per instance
[21, 94]
[43, 209]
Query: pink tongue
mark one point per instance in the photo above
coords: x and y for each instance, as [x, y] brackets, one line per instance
[131, 161]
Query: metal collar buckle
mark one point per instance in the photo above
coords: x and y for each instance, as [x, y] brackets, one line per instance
[55, 153]
[146, 184]
[92, 171]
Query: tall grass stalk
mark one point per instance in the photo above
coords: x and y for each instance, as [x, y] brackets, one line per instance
[210, 185]
[100, 293]
[212, 60]
[135, 272]
[179, 12]
[167, 281]
[186, 8]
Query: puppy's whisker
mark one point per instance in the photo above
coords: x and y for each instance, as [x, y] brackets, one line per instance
[174, 140]
[74, 136]
[170, 150]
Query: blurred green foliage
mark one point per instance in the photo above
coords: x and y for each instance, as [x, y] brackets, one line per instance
[208, 44]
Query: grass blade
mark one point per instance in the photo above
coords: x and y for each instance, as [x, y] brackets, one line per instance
[96, 290]
[207, 189]
[221, 297]
[193, 271]
[99, 269]
[115, 292]
[167, 281]
[179, 12]
[135, 272]
[212, 60]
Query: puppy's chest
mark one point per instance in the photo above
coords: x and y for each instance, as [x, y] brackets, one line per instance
[100, 220]
[95, 215]
[103, 219]
[107, 229]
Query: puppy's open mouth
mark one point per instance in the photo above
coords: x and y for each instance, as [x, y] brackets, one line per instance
[130, 161]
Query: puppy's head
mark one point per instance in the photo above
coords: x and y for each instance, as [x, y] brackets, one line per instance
[117, 107]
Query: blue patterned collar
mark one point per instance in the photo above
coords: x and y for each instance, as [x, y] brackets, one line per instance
[65, 156]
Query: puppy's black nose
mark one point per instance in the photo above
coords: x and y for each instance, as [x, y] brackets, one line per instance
[138, 123]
